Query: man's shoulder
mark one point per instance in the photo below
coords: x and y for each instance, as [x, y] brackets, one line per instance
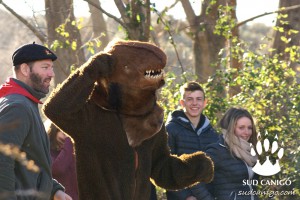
[171, 125]
[212, 131]
[209, 129]
[177, 116]
[16, 98]
[214, 148]
[16, 101]
[176, 127]
[176, 123]
[218, 144]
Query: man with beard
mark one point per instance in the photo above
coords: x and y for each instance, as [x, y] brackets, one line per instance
[25, 162]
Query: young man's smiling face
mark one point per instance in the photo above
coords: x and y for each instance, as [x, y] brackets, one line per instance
[193, 103]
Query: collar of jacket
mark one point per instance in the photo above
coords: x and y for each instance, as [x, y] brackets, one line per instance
[13, 86]
[222, 141]
[178, 116]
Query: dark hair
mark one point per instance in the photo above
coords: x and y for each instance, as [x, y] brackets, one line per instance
[52, 133]
[30, 64]
[229, 121]
[191, 87]
[17, 67]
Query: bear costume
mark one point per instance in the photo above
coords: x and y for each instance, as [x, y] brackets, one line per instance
[109, 107]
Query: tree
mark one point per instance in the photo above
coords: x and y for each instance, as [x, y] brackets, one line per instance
[64, 36]
[206, 44]
[288, 27]
[99, 26]
[135, 17]
[10, 41]
[268, 87]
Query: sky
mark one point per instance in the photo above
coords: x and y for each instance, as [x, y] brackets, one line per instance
[245, 8]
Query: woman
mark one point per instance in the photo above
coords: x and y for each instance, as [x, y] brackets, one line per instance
[232, 158]
[63, 160]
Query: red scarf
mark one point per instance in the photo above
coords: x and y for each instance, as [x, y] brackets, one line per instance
[11, 87]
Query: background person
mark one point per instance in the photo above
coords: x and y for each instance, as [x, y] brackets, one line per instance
[19, 98]
[189, 130]
[232, 158]
[63, 160]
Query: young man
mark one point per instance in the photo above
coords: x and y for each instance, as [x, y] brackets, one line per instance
[189, 131]
[21, 126]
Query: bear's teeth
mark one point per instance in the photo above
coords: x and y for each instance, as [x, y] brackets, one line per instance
[153, 72]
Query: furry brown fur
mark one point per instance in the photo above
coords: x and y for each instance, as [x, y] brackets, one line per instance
[131, 88]
[109, 107]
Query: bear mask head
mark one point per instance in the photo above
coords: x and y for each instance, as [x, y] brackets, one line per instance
[131, 88]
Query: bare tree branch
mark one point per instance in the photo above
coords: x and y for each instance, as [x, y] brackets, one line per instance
[122, 10]
[38, 34]
[189, 12]
[108, 14]
[281, 10]
[170, 7]
[172, 43]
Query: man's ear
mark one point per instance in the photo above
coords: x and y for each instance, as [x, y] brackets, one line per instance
[25, 69]
[181, 101]
[205, 102]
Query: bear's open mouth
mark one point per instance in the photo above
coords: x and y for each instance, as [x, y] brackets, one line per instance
[154, 74]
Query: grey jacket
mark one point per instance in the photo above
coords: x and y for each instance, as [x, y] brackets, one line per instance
[21, 125]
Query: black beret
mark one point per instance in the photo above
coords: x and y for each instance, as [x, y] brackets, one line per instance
[32, 52]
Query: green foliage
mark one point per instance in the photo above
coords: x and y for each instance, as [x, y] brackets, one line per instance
[64, 39]
[170, 94]
[93, 44]
[225, 23]
[161, 193]
[268, 89]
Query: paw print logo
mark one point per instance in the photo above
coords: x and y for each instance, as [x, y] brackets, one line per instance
[267, 168]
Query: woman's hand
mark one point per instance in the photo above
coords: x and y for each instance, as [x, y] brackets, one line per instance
[61, 195]
[191, 198]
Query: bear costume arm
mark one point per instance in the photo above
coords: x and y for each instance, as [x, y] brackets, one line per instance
[172, 172]
[65, 104]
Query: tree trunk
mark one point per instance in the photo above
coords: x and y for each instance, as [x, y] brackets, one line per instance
[98, 24]
[60, 12]
[234, 61]
[206, 44]
[137, 19]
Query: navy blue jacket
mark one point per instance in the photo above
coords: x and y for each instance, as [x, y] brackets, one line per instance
[184, 139]
[230, 176]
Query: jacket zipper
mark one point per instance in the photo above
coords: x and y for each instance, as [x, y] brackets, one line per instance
[250, 186]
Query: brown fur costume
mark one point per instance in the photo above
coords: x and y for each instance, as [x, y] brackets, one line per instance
[109, 108]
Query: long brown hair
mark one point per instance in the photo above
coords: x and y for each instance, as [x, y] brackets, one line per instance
[52, 133]
[229, 120]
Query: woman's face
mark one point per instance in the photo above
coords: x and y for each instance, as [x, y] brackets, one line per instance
[243, 128]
